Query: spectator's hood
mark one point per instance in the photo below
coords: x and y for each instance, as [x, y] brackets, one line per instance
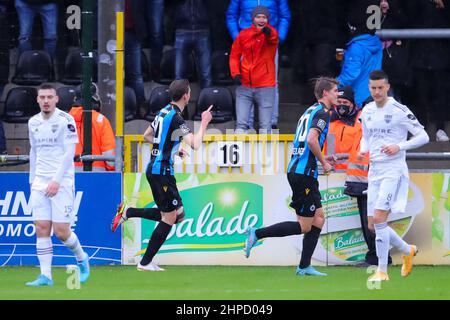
[370, 42]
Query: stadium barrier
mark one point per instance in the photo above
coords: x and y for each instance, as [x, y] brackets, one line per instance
[238, 181]
[91, 218]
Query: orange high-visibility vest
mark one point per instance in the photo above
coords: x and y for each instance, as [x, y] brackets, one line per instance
[357, 170]
[344, 137]
[103, 138]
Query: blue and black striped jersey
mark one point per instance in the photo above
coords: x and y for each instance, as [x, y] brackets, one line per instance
[169, 128]
[303, 160]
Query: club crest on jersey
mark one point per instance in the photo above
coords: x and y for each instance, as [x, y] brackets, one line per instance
[54, 127]
[388, 118]
[71, 127]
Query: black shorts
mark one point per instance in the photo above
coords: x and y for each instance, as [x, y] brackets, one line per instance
[165, 192]
[306, 197]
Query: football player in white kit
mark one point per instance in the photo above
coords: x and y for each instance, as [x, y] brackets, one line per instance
[386, 124]
[53, 137]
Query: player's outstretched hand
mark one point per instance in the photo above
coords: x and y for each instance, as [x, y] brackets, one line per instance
[207, 115]
[361, 155]
[327, 167]
[390, 150]
[52, 189]
[332, 159]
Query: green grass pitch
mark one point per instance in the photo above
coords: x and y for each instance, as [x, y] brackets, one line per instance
[227, 283]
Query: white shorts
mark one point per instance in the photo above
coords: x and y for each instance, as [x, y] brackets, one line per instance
[388, 194]
[56, 209]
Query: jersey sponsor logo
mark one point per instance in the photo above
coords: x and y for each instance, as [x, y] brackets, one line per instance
[411, 117]
[388, 118]
[297, 151]
[321, 124]
[71, 127]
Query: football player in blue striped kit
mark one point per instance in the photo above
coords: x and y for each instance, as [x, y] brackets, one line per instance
[302, 176]
[165, 133]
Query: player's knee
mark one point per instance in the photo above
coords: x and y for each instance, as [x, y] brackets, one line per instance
[180, 217]
[306, 227]
[169, 218]
[42, 230]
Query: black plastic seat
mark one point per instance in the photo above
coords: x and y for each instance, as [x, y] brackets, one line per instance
[20, 105]
[222, 101]
[220, 68]
[67, 97]
[34, 67]
[73, 68]
[159, 98]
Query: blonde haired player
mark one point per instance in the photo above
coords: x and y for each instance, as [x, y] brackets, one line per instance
[53, 137]
[386, 124]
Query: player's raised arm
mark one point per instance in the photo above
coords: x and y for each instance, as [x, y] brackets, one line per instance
[195, 140]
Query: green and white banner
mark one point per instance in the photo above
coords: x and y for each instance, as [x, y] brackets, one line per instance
[219, 208]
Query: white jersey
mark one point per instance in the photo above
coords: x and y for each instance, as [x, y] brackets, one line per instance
[385, 126]
[49, 137]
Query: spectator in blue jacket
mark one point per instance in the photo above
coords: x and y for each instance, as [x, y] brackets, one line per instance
[239, 16]
[364, 52]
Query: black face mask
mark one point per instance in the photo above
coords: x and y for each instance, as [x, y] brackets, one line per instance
[343, 110]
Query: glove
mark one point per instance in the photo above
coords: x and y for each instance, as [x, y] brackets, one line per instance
[238, 80]
[266, 30]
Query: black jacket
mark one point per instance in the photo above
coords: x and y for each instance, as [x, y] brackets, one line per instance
[192, 14]
[430, 54]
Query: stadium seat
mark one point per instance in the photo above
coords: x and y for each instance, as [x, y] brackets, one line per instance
[168, 68]
[159, 98]
[130, 105]
[20, 105]
[221, 99]
[73, 68]
[34, 67]
[66, 97]
[220, 69]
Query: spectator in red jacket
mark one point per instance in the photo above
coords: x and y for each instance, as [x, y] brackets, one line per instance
[252, 64]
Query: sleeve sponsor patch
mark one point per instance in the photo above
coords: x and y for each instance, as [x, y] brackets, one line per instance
[184, 129]
[321, 124]
[71, 127]
[411, 117]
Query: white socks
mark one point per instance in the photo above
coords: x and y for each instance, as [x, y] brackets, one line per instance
[398, 242]
[44, 248]
[382, 245]
[74, 245]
